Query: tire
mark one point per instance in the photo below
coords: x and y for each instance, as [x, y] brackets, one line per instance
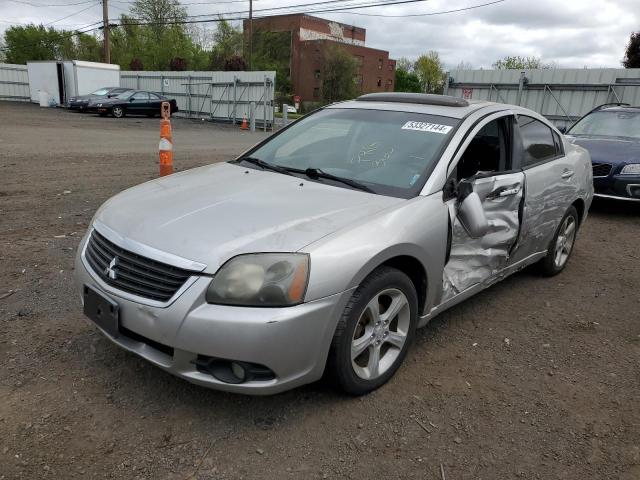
[388, 339]
[561, 246]
[118, 112]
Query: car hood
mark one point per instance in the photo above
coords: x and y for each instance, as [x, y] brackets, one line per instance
[213, 213]
[610, 150]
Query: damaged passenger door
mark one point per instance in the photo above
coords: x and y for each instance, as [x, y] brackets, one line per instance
[484, 195]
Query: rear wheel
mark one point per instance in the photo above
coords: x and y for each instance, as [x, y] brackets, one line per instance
[562, 244]
[118, 112]
[374, 333]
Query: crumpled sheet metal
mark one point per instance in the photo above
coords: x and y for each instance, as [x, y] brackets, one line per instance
[478, 260]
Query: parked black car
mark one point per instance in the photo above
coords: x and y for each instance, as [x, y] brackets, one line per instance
[611, 133]
[132, 102]
[82, 101]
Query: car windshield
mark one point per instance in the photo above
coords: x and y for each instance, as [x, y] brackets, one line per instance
[125, 95]
[391, 153]
[609, 123]
[100, 92]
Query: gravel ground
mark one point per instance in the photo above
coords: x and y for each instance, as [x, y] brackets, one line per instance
[534, 378]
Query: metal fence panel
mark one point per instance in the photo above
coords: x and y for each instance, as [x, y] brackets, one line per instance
[222, 96]
[562, 95]
[14, 82]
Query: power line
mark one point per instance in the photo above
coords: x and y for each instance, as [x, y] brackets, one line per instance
[472, 7]
[72, 15]
[52, 4]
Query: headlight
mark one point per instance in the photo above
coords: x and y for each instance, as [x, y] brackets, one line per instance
[631, 169]
[98, 104]
[72, 99]
[261, 280]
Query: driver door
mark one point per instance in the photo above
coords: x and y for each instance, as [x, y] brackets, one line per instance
[484, 168]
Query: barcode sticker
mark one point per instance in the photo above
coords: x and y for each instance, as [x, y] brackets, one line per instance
[427, 127]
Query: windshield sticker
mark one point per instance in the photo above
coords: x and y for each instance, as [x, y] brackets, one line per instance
[427, 127]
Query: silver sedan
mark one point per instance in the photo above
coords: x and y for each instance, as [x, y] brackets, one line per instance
[323, 248]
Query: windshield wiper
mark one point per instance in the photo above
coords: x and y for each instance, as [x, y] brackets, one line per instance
[315, 173]
[264, 165]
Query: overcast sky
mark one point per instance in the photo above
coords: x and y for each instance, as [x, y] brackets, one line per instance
[571, 33]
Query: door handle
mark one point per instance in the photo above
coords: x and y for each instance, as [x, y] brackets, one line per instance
[504, 192]
[508, 192]
[567, 174]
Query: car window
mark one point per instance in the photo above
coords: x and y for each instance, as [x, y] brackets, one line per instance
[537, 141]
[100, 92]
[139, 96]
[390, 152]
[614, 123]
[153, 96]
[487, 151]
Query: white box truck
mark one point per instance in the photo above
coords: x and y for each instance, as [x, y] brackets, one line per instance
[54, 82]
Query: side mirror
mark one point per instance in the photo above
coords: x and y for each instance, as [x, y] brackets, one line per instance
[471, 215]
[131, 99]
[562, 130]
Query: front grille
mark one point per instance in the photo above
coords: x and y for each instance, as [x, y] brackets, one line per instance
[133, 273]
[601, 169]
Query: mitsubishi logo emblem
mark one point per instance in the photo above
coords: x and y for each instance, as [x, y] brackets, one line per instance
[110, 270]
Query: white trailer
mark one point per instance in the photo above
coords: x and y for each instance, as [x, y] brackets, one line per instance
[62, 80]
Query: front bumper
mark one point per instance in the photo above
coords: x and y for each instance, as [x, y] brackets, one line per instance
[292, 342]
[621, 187]
[78, 105]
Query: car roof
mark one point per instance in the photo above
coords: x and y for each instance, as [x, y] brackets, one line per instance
[618, 108]
[441, 105]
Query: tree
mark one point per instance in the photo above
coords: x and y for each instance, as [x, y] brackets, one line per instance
[520, 63]
[405, 64]
[430, 72]
[407, 81]
[136, 64]
[178, 64]
[339, 72]
[464, 66]
[36, 42]
[227, 43]
[272, 51]
[632, 54]
[235, 64]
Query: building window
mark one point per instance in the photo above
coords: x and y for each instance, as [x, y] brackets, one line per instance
[389, 85]
[317, 73]
[391, 67]
[379, 64]
[379, 82]
[316, 93]
[359, 60]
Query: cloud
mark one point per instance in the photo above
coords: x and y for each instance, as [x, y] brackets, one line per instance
[573, 33]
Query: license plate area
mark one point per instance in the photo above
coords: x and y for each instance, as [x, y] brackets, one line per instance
[101, 310]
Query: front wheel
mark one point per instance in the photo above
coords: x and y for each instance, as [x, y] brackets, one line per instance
[562, 244]
[117, 112]
[374, 333]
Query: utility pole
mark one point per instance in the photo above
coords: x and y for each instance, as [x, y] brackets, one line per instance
[250, 33]
[105, 31]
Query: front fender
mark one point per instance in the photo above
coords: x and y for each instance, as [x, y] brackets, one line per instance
[416, 228]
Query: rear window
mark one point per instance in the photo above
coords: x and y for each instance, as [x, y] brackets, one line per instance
[391, 152]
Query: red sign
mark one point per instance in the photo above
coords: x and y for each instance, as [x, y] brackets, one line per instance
[467, 93]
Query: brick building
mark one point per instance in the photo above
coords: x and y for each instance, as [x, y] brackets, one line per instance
[310, 36]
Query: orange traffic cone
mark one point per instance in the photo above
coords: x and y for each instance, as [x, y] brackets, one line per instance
[166, 141]
[244, 125]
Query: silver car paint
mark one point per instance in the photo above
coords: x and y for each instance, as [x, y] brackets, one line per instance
[207, 215]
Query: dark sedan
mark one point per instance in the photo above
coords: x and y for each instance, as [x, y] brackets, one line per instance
[132, 102]
[611, 134]
[81, 102]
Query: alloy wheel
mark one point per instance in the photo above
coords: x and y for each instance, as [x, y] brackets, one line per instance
[380, 334]
[564, 242]
[118, 112]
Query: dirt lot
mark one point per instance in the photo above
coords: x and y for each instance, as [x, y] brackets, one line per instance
[534, 378]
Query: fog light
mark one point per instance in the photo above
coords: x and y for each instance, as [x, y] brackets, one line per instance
[238, 371]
